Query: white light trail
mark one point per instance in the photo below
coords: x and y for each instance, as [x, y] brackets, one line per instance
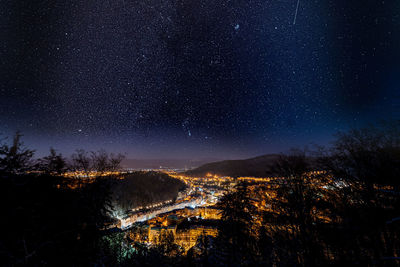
[295, 15]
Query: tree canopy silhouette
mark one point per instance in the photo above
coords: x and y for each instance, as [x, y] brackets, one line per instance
[15, 157]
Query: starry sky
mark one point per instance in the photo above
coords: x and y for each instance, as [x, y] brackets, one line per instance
[193, 79]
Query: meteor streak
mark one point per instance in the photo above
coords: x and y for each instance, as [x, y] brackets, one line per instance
[297, 9]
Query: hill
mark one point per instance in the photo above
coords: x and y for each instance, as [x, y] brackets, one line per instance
[257, 167]
[144, 188]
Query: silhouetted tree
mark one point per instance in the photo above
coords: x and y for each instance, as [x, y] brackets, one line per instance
[204, 247]
[50, 225]
[15, 158]
[103, 161]
[236, 243]
[365, 161]
[167, 246]
[300, 196]
[100, 161]
[53, 163]
[368, 155]
[81, 161]
[115, 161]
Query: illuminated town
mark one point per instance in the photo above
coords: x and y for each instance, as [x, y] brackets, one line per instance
[195, 212]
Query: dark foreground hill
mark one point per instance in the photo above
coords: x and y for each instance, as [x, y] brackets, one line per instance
[257, 167]
[143, 188]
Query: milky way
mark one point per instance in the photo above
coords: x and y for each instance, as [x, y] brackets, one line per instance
[162, 78]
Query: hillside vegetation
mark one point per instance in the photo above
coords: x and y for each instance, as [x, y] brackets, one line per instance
[143, 188]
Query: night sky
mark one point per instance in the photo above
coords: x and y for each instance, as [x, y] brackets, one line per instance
[193, 79]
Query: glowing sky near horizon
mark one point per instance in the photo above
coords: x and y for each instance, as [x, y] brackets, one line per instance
[206, 78]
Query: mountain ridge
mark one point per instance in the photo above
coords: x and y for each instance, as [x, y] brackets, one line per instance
[256, 167]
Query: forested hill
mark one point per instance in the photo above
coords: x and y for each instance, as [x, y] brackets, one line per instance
[257, 167]
[144, 188]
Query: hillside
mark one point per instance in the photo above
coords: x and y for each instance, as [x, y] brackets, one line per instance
[144, 188]
[257, 167]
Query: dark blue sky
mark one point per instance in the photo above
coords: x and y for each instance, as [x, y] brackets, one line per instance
[204, 78]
